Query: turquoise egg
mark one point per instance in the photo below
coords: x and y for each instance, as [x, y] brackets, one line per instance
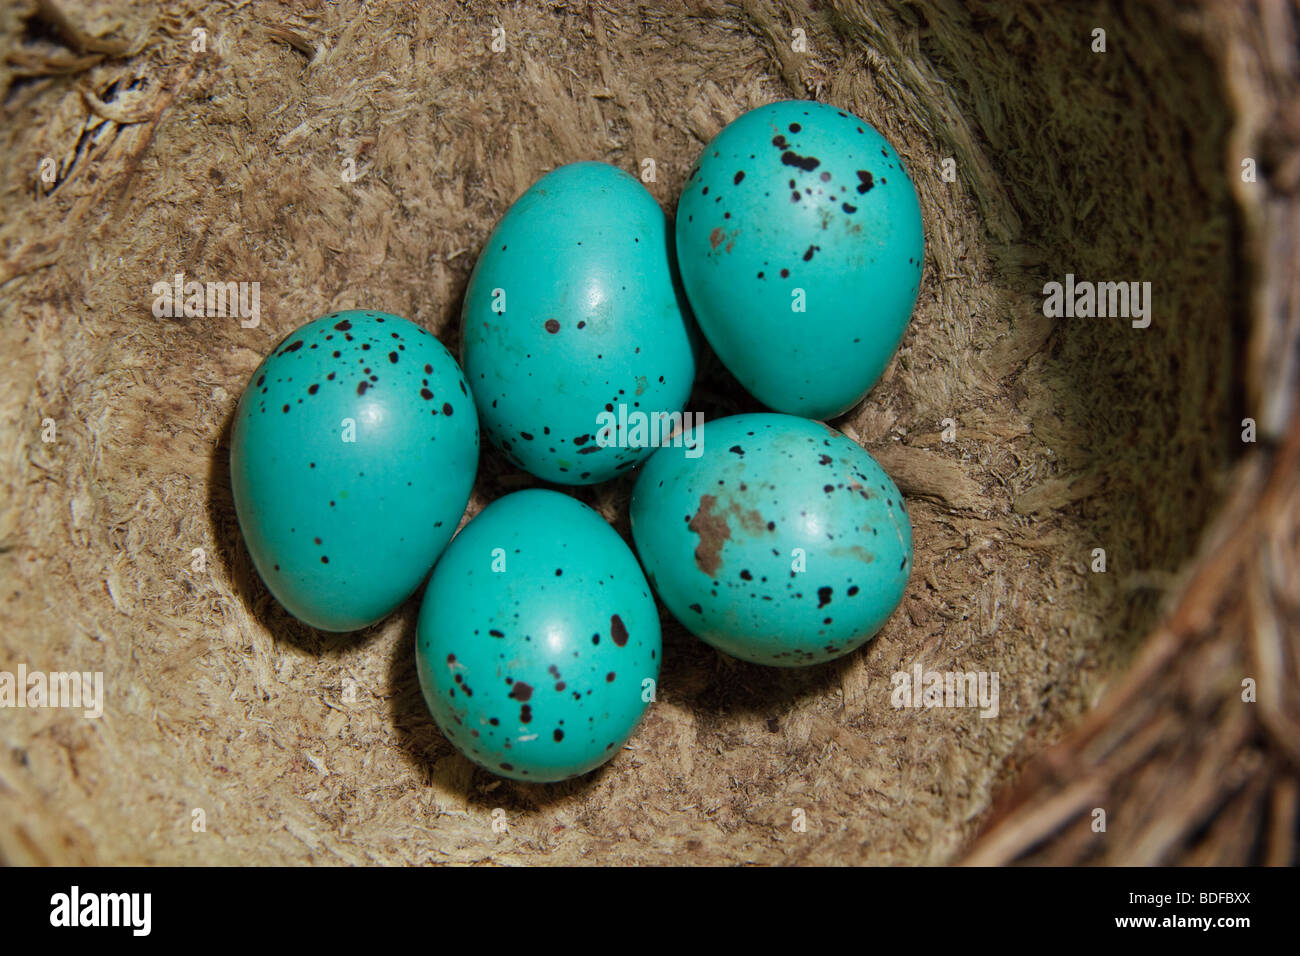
[783, 544]
[538, 641]
[800, 244]
[572, 311]
[351, 460]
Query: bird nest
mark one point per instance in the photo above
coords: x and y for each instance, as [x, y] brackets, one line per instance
[1093, 523]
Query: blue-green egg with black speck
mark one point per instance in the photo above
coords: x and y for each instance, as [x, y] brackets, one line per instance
[784, 543]
[800, 242]
[352, 455]
[538, 641]
[574, 309]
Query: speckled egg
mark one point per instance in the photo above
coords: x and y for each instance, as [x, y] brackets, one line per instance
[538, 641]
[783, 544]
[351, 460]
[573, 310]
[800, 243]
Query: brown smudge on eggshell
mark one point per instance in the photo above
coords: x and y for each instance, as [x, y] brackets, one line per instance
[713, 531]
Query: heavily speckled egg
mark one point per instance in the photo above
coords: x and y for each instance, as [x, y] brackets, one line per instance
[351, 460]
[784, 543]
[538, 640]
[574, 309]
[800, 244]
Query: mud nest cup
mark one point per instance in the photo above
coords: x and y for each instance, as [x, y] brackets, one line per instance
[1119, 690]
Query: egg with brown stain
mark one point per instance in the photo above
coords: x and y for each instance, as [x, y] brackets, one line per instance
[784, 543]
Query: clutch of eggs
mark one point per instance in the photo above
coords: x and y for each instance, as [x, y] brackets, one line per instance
[355, 445]
[352, 456]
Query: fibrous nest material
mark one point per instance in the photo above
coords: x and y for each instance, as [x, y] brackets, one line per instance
[349, 155]
[1194, 757]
